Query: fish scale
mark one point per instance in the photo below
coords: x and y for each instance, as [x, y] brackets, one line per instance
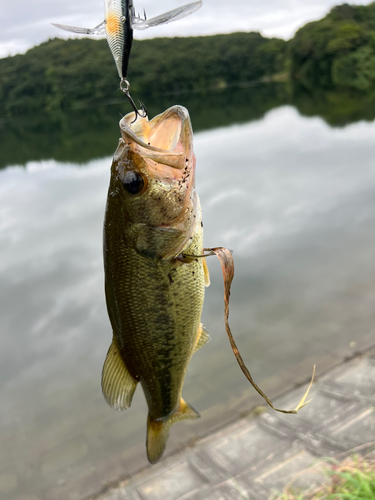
[139, 312]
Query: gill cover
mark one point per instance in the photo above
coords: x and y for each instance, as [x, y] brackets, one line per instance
[154, 174]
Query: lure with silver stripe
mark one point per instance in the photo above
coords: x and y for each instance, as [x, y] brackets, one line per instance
[118, 25]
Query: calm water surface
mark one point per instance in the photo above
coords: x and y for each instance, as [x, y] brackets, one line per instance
[294, 199]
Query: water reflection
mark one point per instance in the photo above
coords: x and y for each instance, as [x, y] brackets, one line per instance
[84, 134]
[337, 108]
[293, 198]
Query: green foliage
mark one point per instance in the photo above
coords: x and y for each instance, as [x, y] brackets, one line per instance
[58, 74]
[337, 50]
[355, 70]
[353, 479]
[347, 37]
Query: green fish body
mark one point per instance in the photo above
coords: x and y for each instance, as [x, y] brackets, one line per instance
[155, 275]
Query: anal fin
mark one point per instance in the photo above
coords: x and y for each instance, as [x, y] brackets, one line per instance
[203, 338]
[158, 431]
[118, 385]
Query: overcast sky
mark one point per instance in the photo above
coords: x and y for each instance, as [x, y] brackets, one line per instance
[28, 22]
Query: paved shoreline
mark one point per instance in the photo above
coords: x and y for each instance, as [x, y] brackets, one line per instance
[250, 458]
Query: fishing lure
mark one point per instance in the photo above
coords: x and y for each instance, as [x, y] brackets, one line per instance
[120, 20]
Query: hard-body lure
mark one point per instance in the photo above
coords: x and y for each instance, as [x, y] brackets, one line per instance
[120, 20]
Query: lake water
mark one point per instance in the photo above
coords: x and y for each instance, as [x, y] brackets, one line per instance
[291, 195]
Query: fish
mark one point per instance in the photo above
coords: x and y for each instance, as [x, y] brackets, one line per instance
[155, 270]
[119, 22]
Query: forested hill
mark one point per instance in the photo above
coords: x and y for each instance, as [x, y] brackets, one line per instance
[61, 74]
[337, 51]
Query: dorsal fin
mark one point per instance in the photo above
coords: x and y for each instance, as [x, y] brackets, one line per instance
[118, 385]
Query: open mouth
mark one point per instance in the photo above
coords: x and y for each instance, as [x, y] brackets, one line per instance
[166, 139]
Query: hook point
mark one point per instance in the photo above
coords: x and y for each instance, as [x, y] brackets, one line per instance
[125, 86]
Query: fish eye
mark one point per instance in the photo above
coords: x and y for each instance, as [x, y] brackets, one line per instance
[133, 182]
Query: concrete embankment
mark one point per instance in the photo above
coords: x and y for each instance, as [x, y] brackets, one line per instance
[255, 456]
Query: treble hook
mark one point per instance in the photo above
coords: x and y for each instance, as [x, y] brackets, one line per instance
[125, 86]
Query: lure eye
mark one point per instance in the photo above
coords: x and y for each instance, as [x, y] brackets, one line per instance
[133, 182]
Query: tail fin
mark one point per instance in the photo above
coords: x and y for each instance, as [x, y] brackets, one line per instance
[158, 432]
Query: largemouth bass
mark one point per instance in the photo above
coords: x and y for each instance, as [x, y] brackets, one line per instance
[155, 275]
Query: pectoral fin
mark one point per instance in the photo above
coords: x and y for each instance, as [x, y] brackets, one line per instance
[203, 338]
[118, 385]
[157, 242]
[158, 431]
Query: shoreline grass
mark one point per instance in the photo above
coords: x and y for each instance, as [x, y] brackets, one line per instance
[351, 479]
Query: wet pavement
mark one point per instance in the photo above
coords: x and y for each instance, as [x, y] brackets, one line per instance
[258, 456]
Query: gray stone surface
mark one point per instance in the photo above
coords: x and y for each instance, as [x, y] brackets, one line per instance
[254, 458]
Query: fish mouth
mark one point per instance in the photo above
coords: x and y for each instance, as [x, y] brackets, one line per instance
[166, 139]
